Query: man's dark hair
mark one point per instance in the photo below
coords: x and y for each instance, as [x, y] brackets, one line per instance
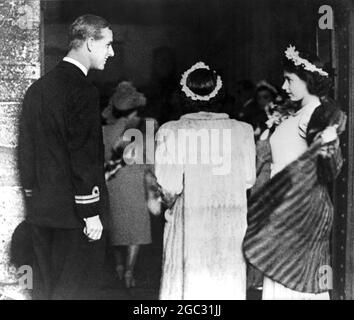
[84, 27]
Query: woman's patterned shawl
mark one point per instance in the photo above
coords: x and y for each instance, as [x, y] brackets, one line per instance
[290, 216]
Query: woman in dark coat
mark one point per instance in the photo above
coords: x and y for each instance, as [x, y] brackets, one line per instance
[129, 222]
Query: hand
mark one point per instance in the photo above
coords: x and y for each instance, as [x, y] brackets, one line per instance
[328, 150]
[330, 140]
[94, 228]
[168, 215]
[154, 205]
[329, 134]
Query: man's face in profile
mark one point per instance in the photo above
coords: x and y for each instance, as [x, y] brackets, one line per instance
[102, 49]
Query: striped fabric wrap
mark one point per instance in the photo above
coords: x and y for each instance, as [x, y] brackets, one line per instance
[290, 219]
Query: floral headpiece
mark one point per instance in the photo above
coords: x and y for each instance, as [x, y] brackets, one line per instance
[293, 55]
[189, 93]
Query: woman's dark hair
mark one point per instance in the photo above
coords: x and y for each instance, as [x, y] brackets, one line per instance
[316, 83]
[202, 82]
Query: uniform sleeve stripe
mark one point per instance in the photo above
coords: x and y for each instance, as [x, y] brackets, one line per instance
[86, 197]
[87, 201]
[94, 196]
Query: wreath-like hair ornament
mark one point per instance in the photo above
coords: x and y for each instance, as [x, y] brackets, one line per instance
[189, 93]
[293, 55]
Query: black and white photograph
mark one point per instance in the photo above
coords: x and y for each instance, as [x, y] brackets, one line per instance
[176, 150]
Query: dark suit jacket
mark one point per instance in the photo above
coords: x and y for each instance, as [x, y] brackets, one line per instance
[61, 152]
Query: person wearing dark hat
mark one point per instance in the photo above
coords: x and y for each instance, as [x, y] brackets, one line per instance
[61, 167]
[129, 219]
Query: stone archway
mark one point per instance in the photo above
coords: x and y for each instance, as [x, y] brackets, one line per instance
[19, 67]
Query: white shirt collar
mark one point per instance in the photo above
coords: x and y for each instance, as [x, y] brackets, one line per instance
[77, 63]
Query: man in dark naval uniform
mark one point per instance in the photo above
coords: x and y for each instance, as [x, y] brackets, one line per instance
[61, 162]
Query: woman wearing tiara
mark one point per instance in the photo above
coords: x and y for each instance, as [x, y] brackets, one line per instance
[204, 185]
[290, 217]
